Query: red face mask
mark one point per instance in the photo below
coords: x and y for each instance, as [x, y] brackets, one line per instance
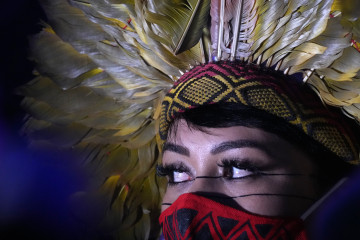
[195, 217]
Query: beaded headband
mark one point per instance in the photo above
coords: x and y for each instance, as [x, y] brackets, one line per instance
[262, 89]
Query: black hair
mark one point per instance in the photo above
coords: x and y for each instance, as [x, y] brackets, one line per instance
[331, 167]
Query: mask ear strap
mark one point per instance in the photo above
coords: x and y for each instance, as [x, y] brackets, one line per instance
[316, 205]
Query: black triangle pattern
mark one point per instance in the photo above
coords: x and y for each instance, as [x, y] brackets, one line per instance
[226, 224]
[170, 224]
[203, 233]
[263, 229]
[243, 236]
[184, 218]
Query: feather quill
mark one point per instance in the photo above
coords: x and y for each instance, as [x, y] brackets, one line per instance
[179, 24]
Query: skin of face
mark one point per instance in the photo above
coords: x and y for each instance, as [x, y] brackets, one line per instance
[272, 177]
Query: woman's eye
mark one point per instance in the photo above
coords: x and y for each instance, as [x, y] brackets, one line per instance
[235, 170]
[180, 177]
[240, 173]
[175, 173]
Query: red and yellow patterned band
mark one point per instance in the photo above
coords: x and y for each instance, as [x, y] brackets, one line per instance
[263, 89]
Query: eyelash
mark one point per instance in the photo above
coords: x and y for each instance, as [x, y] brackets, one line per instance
[245, 168]
[242, 165]
[168, 171]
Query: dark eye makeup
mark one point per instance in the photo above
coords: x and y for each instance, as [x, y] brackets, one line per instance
[239, 169]
[171, 171]
[233, 169]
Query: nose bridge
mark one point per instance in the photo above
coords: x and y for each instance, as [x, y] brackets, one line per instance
[207, 176]
[207, 184]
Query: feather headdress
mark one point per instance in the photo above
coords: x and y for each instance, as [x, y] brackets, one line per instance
[104, 66]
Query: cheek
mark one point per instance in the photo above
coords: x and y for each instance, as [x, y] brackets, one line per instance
[274, 206]
[252, 194]
[276, 196]
[173, 192]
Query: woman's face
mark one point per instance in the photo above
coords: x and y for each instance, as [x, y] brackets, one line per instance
[261, 172]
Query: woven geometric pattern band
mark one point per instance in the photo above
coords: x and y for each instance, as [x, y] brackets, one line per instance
[262, 89]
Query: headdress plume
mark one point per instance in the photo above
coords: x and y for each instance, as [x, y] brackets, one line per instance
[103, 68]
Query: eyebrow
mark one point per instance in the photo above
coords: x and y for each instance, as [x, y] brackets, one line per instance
[225, 146]
[176, 148]
[222, 147]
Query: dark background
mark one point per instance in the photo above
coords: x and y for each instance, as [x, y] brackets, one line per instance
[19, 19]
[34, 187]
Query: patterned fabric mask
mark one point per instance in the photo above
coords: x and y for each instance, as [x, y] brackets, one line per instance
[195, 217]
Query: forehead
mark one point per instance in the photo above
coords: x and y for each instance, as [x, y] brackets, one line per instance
[186, 134]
